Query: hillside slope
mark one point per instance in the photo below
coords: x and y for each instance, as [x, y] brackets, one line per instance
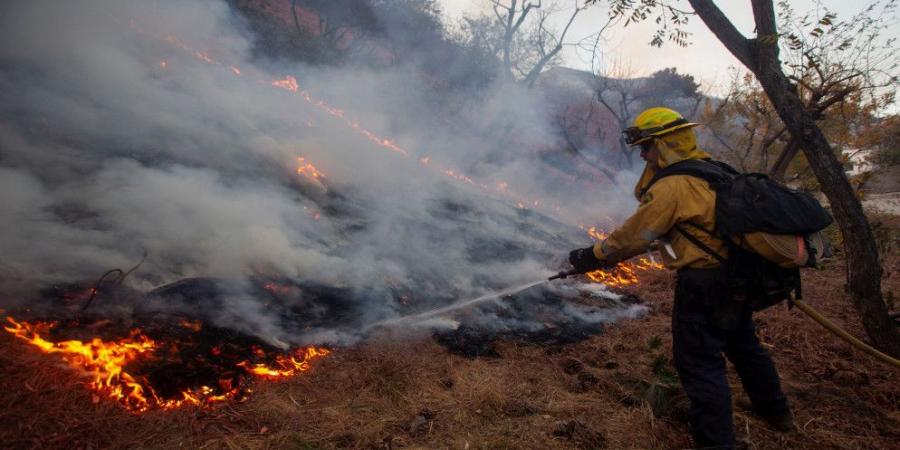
[613, 390]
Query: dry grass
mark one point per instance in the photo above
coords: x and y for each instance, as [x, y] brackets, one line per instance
[610, 391]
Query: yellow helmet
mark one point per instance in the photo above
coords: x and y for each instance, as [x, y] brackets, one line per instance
[654, 122]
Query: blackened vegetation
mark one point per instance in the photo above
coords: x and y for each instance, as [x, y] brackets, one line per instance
[534, 316]
[469, 342]
[198, 345]
[295, 306]
[190, 355]
[193, 349]
[211, 331]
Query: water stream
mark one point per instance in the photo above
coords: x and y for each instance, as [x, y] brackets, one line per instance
[416, 318]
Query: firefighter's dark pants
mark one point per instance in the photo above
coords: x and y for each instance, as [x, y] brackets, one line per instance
[704, 326]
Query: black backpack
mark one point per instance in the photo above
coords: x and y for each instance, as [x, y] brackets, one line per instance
[747, 203]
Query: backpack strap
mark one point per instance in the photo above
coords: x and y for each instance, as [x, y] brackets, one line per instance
[698, 242]
[714, 172]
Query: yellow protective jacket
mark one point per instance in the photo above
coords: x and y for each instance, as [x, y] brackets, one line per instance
[671, 200]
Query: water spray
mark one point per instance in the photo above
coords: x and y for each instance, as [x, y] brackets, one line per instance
[416, 318]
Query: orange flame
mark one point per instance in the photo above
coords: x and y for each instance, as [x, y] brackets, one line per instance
[336, 112]
[106, 361]
[460, 177]
[625, 273]
[287, 365]
[102, 359]
[193, 325]
[308, 170]
[289, 83]
[205, 56]
[594, 233]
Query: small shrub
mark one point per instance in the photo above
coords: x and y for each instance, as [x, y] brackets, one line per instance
[655, 342]
[663, 371]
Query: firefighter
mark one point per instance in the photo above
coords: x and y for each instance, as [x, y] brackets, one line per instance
[704, 325]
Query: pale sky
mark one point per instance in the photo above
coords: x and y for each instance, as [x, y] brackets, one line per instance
[706, 59]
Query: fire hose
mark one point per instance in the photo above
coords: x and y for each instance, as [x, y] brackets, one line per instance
[839, 332]
[809, 311]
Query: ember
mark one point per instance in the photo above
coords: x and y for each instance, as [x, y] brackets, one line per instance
[308, 170]
[289, 83]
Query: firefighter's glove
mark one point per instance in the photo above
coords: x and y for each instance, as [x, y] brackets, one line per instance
[583, 260]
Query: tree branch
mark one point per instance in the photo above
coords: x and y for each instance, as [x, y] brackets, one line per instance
[771, 140]
[524, 14]
[718, 23]
[546, 57]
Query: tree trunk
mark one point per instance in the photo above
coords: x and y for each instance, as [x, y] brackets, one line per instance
[863, 266]
[779, 169]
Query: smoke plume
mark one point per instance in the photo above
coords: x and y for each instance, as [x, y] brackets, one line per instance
[134, 126]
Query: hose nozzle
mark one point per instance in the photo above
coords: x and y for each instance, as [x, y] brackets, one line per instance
[563, 274]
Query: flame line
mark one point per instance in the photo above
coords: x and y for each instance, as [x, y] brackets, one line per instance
[291, 84]
[622, 275]
[105, 361]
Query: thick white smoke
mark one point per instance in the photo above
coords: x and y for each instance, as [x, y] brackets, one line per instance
[132, 126]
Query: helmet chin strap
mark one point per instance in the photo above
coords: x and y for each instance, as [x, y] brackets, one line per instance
[651, 156]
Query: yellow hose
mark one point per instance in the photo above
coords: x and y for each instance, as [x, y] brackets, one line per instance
[844, 335]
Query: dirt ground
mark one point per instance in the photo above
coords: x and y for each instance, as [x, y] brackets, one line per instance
[614, 390]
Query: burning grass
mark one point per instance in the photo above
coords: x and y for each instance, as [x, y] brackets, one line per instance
[141, 373]
[612, 390]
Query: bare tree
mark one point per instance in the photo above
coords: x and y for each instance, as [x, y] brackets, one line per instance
[522, 35]
[617, 90]
[624, 94]
[581, 128]
[544, 41]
